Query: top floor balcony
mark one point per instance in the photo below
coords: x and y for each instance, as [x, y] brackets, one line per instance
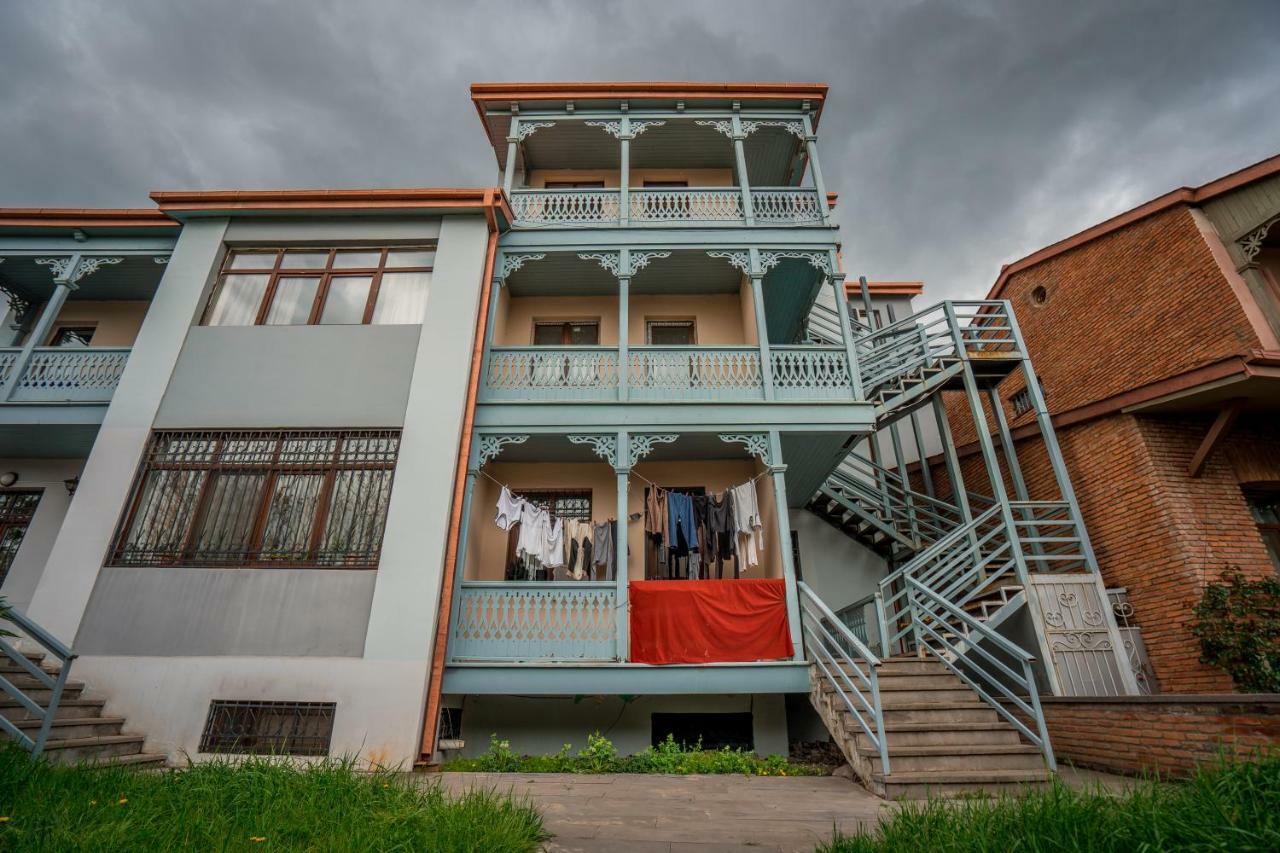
[622, 167]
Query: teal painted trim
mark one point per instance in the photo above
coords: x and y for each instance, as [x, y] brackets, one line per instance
[626, 679]
[33, 246]
[52, 414]
[818, 417]
[691, 236]
[815, 168]
[778, 471]
[622, 566]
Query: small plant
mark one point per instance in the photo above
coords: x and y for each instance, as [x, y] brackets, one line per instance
[1238, 623]
[599, 755]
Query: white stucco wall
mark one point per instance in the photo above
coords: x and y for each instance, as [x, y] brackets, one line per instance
[46, 476]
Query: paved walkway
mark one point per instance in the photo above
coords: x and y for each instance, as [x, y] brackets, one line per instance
[630, 813]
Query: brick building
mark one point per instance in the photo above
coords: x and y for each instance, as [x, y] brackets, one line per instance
[1155, 337]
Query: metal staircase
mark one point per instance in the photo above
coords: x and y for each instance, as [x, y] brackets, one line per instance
[946, 684]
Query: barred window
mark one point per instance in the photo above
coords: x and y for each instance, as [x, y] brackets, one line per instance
[268, 728]
[271, 498]
[299, 287]
[17, 508]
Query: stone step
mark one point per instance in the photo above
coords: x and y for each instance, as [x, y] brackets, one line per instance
[898, 681]
[79, 707]
[923, 784]
[953, 734]
[73, 728]
[137, 760]
[38, 693]
[92, 749]
[990, 757]
[913, 666]
[941, 714]
[895, 695]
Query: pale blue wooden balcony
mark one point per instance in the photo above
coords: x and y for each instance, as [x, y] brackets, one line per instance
[663, 374]
[704, 206]
[63, 374]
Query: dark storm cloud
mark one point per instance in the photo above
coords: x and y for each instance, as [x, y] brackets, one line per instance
[959, 135]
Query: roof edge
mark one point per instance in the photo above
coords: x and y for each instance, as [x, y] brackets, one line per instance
[1182, 195]
[85, 217]
[188, 202]
[886, 288]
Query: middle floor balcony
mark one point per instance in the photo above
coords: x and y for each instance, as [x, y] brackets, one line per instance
[720, 329]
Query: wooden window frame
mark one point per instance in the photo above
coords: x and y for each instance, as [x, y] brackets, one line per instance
[275, 271]
[651, 322]
[270, 469]
[564, 329]
[574, 185]
[71, 325]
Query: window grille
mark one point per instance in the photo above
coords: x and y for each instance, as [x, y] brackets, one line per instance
[269, 498]
[268, 728]
[1021, 402]
[571, 504]
[17, 508]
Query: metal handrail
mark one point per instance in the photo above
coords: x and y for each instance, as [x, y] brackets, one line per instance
[828, 653]
[53, 683]
[978, 667]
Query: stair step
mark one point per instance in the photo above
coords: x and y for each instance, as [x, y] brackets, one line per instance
[41, 695]
[78, 707]
[947, 759]
[941, 714]
[904, 681]
[68, 728]
[138, 760]
[916, 785]
[948, 735]
[917, 697]
[90, 749]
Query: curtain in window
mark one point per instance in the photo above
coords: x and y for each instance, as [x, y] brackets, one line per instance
[238, 300]
[402, 298]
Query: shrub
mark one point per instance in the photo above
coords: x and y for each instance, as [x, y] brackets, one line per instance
[1238, 623]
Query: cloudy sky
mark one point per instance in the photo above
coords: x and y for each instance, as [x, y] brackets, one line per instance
[960, 135]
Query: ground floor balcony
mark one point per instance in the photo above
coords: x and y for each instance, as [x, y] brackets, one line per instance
[661, 596]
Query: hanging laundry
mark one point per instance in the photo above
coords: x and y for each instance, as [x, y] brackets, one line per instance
[682, 528]
[533, 524]
[746, 518]
[578, 536]
[603, 553]
[509, 507]
[553, 553]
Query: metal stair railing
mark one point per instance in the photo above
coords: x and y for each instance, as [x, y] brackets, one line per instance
[982, 670]
[45, 681]
[839, 655]
[969, 562]
[923, 517]
[822, 325]
[1050, 536]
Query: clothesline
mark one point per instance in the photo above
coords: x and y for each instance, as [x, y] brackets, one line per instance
[634, 473]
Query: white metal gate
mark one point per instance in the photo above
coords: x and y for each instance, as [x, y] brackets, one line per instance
[1083, 640]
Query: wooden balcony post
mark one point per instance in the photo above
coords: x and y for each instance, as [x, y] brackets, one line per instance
[513, 140]
[624, 170]
[846, 327]
[811, 148]
[65, 275]
[622, 575]
[624, 324]
[762, 330]
[495, 291]
[740, 157]
[778, 470]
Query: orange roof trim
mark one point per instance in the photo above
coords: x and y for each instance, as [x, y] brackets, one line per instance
[886, 288]
[1182, 195]
[507, 92]
[85, 217]
[489, 199]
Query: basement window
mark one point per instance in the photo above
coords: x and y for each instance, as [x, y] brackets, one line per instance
[715, 731]
[268, 728]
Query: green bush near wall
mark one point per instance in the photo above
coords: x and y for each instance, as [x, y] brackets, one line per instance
[1238, 623]
[600, 756]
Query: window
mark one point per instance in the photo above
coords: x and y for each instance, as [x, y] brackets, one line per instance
[16, 512]
[574, 185]
[670, 332]
[859, 313]
[1265, 507]
[558, 334]
[298, 287]
[272, 498]
[714, 731]
[72, 336]
[662, 184]
[268, 728]
[1039, 295]
[1021, 402]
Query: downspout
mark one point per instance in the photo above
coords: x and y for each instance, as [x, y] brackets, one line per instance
[435, 678]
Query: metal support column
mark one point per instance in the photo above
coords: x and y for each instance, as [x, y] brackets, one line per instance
[624, 324]
[624, 173]
[63, 284]
[762, 329]
[740, 158]
[1006, 445]
[846, 328]
[811, 148]
[959, 492]
[777, 470]
[622, 574]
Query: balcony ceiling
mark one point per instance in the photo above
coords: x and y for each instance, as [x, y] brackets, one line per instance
[690, 446]
[679, 144]
[134, 278]
[565, 274]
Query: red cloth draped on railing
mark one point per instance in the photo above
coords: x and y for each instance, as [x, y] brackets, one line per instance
[713, 621]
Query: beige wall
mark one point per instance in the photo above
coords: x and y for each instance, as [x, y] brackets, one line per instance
[613, 177]
[487, 545]
[721, 319]
[117, 322]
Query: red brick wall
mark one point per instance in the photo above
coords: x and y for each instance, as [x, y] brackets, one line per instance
[1136, 306]
[1156, 531]
[1169, 734]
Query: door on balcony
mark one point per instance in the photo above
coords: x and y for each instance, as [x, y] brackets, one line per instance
[561, 369]
[672, 370]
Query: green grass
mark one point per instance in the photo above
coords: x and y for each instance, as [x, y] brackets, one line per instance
[600, 756]
[255, 805]
[1227, 807]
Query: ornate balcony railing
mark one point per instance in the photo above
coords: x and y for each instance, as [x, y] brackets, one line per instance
[552, 373]
[665, 374]
[809, 372]
[660, 206]
[791, 206]
[702, 373]
[64, 374]
[568, 621]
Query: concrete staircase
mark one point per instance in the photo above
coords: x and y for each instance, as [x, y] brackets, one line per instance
[943, 739]
[80, 732]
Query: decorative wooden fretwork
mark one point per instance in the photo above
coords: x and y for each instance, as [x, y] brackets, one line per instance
[492, 445]
[642, 445]
[526, 621]
[604, 445]
[756, 444]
